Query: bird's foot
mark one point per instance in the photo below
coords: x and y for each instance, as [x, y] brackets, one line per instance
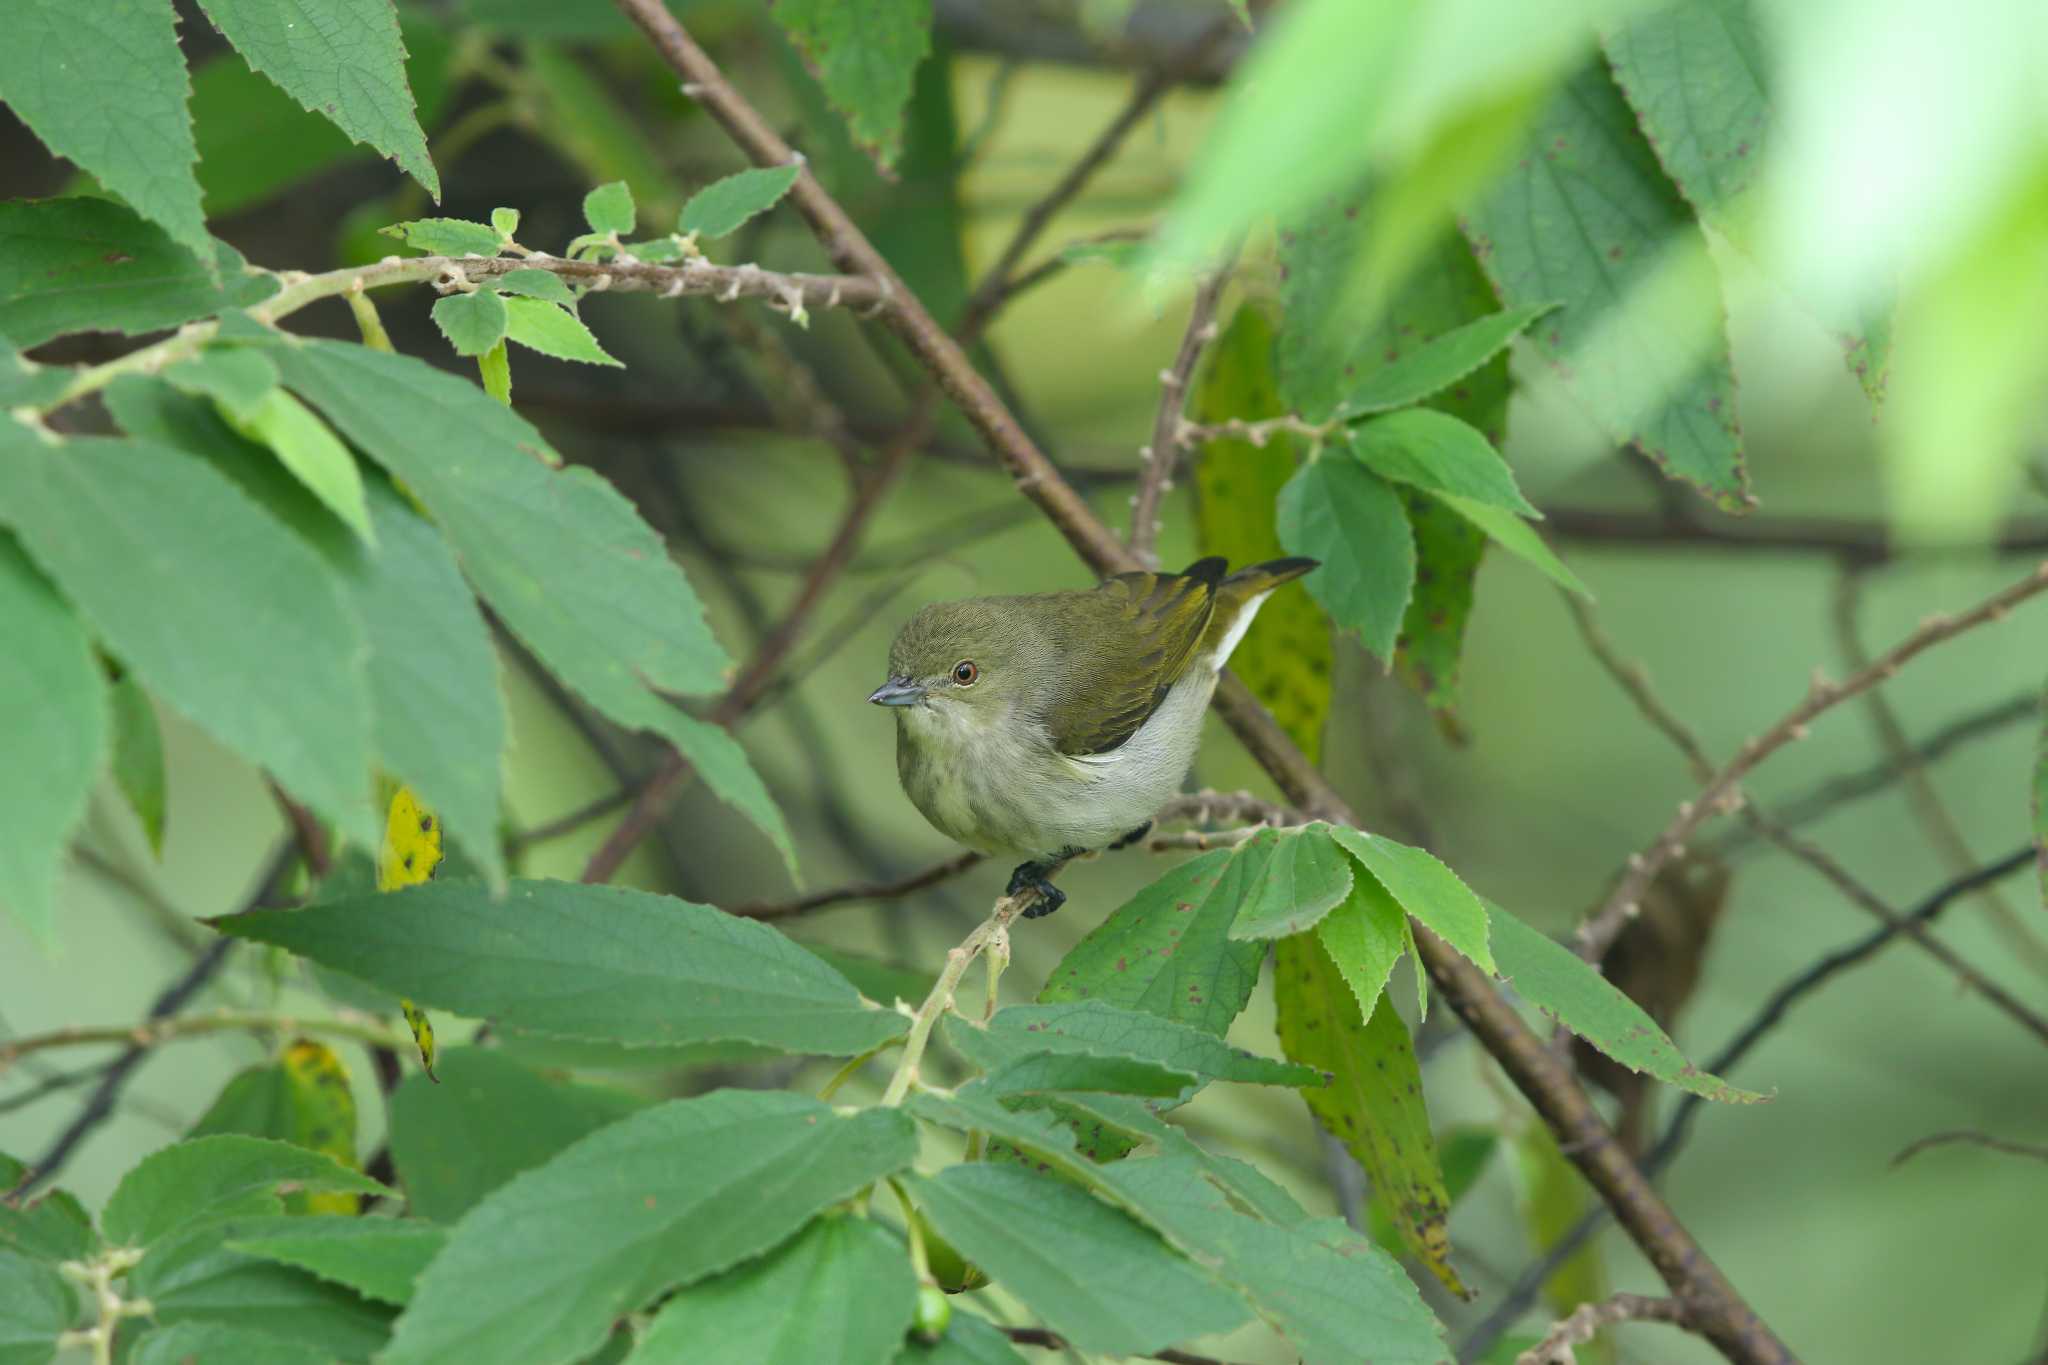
[1133, 837]
[1036, 877]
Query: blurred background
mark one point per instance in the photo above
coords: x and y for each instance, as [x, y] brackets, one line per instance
[1557, 779]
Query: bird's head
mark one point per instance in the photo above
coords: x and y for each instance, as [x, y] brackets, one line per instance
[962, 663]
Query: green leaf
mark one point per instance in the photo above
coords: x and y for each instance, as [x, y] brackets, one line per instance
[559, 553]
[302, 1098]
[1464, 1151]
[1341, 513]
[104, 87]
[838, 1293]
[1515, 535]
[866, 54]
[1441, 361]
[1584, 218]
[675, 1193]
[149, 544]
[2040, 804]
[969, 1340]
[53, 729]
[52, 1227]
[1292, 878]
[1096, 1027]
[1557, 981]
[1374, 1103]
[1015, 1065]
[536, 284]
[1448, 549]
[207, 1178]
[494, 372]
[215, 1343]
[489, 1119]
[1168, 950]
[1101, 1280]
[1435, 451]
[882, 982]
[236, 377]
[724, 206]
[36, 1307]
[447, 237]
[1321, 1285]
[1423, 887]
[1285, 658]
[194, 1276]
[76, 265]
[1364, 937]
[554, 331]
[379, 1258]
[24, 383]
[307, 447]
[585, 962]
[341, 58]
[609, 208]
[472, 322]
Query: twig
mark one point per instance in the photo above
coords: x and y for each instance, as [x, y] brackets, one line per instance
[1259, 432]
[1635, 681]
[158, 1030]
[1161, 456]
[861, 891]
[2037, 1150]
[1940, 827]
[1053, 1341]
[1723, 790]
[992, 936]
[1588, 1318]
[1850, 541]
[1725, 1318]
[570, 822]
[50, 1084]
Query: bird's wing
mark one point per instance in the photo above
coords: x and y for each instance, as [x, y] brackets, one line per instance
[1141, 632]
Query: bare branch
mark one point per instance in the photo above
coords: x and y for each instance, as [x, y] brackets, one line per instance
[1259, 432]
[2037, 1150]
[1723, 791]
[1588, 1318]
[861, 891]
[1851, 541]
[1162, 456]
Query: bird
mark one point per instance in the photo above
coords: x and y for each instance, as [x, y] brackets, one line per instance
[1053, 724]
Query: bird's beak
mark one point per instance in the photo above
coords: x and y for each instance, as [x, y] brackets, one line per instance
[897, 692]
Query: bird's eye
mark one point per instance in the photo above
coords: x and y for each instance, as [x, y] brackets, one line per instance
[965, 673]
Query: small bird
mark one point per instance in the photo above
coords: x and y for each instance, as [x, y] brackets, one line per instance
[1057, 723]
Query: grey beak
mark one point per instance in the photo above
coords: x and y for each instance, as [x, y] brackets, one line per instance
[897, 692]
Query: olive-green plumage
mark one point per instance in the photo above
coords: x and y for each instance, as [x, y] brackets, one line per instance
[1055, 723]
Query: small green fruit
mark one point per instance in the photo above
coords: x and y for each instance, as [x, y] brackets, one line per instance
[934, 1313]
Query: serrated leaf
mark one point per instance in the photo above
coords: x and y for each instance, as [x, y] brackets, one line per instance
[1374, 1103]
[379, 1258]
[554, 331]
[724, 206]
[302, 1098]
[472, 322]
[216, 1343]
[866, 54]
[595, 962]
[535, 284]
[1448, 549]
[236, 377]
[506, 221]
[447, 237]
[494, 372]
[104, 87]
[341, 58]
[53, 729]
[51, 1227]
[1518, 538]
[307, 447]
[79, 265]
[1441, 361]
[1337, 511]
[1286, 656]
[1464, 1151]
[1584, 218]
[1168, 950]
[1559, 982]
[560, 554]
[1364, 937]
[207, 1178]
[1096, 1027]
[1101, 1280]
[1423, 887]
[148, 543]
[675, 1193]
[489, 1119]
[195, 1276]
[36, 1307]
[1292, 878]
[1435, 451]
[609, 208]
[838, 1293]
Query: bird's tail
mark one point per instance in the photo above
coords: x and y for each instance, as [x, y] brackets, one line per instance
[1238, 599]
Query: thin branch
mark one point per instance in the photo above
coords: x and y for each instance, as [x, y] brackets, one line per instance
[1257, 432]
[1587, 1320]
[1723, 791]
[571, 822]
[51, 1084]
[861, 891]
[160, 1030]
[1725, 1318]
[2037, 1150]
[1161, 456]
[1053, 1341]
[1850, 541]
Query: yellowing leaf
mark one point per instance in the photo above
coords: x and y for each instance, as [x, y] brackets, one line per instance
[411, 852]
